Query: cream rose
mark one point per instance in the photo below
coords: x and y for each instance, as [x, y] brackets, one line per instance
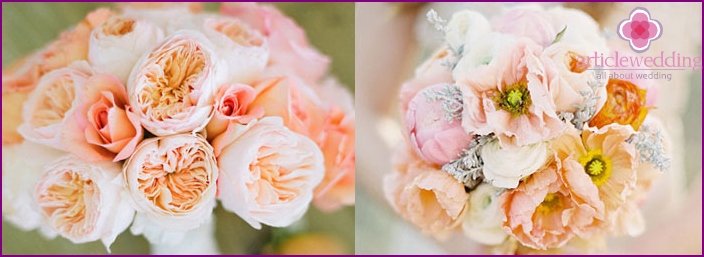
[52, 101]
[465, 25]
[102, 126]
[83, 201]
[484, 220]
[22, 165]
[117, 44]
[245, 50]
[172, 181]
[269, 172]
[505, 166]
[172, 87]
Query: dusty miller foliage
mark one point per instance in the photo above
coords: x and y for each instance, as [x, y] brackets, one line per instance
[451, 98]
[649, 143]
[467, 169]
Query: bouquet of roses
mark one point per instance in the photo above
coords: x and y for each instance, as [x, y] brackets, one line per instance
[513, 137]
[148, 116]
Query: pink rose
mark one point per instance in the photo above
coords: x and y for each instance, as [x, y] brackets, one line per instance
[46, 111]
[338, 146]
[431, 72]
[291, 54]
[102, 127]
[244, 49]
[268, 172]
[337, 142]
[423, 194]
[505, 91]
[172, 87]
[293, 101]
[527, 22]
[83, 201]
[172, 181]
[435, 138]
[118, 43]
[232, 105]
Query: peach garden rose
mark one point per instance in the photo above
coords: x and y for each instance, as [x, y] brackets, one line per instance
[84, 201]
[232, 104]
[172, 87]
[268, 172]
[244, 49]
[172, 181]
[118, 43]
[48, 107]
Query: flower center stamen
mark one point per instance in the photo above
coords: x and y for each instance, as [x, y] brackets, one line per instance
[597, 166]
[515, 99]
[551, 201]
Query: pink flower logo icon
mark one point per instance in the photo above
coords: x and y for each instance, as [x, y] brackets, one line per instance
[640, 29]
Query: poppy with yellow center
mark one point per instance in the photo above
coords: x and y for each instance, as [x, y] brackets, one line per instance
[597, 166]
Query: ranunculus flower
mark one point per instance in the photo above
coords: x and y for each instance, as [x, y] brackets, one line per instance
[505, 91]
[337, 142]
[101, 127]
[232, 105]
[484, 218]
[51, 103]
[118, 43]
[434, 137]
[245, 50]
[22, 165]
[291, 54]
[431, 72]
[172, 181]
[83, 201]
[268, 172]
[625, 105]
[423, 194]
[543, 212]
[172, 87]
[465, 25]
[529, 22]
[293, 101]
[567, 71]
[505, 166]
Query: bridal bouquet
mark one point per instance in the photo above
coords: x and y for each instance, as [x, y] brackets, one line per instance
[515, 138]
[147, 117]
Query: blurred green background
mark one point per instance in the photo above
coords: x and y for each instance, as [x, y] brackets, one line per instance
[27, 27]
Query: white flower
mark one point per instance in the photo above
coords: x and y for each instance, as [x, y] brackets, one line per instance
[22, 164]
[504, 167]
[465, 25]
[478, 58]
[484, 219]
[581, 28]
[117, 44]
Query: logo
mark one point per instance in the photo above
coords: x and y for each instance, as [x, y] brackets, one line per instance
[640, 29]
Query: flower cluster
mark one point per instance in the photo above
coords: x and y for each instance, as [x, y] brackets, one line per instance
[145, 118]
[515, 139]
